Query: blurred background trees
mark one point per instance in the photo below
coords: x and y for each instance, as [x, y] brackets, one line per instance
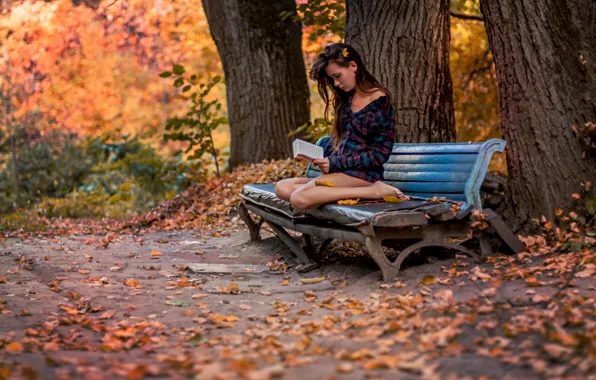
[83, 110]
[79, 75]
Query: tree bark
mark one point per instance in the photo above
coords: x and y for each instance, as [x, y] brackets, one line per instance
[545, 59]
[93, 4]
[405, 45]
[267, 91]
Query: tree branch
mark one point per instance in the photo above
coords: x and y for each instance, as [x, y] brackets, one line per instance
[466, 17]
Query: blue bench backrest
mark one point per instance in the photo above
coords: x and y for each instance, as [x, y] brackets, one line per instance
[451, 170]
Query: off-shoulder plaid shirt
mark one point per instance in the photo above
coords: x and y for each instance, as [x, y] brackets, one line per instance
[367, 140]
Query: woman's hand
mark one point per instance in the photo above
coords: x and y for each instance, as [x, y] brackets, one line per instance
[322, 163]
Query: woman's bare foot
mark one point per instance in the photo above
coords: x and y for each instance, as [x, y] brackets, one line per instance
[382, 189]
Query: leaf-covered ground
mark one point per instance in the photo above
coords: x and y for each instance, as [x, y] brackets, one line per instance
[118, 300]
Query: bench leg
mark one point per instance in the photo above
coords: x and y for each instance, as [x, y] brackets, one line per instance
[253, 228]
[485, 248]
[375, 249]
[311, 251]
[301, 256]
[390, 269]
[504, 232]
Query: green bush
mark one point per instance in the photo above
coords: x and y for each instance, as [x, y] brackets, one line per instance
[85, 205]
[50, 165]
[21, 219]
[129, 171]
[94, 177]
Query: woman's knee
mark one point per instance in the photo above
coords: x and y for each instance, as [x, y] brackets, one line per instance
[283, 189]
[299, 201]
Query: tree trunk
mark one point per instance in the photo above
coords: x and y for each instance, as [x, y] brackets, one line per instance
[545, 59]
[267, 92]
[405, 45]
[15, 173]
[93, 4]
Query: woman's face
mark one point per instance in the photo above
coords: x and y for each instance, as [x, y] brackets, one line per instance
[343, 78]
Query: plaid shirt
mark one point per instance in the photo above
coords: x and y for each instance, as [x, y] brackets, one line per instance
[367, 140]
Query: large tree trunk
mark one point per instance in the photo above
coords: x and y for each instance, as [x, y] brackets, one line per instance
[545, 57]
[405, 45]
[267, 92]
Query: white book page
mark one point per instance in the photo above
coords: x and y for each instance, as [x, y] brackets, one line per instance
[306, 149]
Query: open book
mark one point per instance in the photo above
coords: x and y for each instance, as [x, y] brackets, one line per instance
[307, 150]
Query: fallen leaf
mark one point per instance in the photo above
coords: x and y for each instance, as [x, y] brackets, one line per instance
[590, 270]
[428, 280]
[229, 256]
[177, 303]
[107, 315]
[348, 201]
[132, 283]
[392, 199]
[314, 280]
[14, 348]
[324, 183]
[416, 365]
[344, 367]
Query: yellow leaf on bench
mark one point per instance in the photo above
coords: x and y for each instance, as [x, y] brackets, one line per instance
[324, 183]
[392, 199]
[348, 201]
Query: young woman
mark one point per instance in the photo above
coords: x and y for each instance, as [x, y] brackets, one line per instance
[361, 138]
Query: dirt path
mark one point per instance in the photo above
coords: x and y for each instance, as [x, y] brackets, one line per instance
[73, 307]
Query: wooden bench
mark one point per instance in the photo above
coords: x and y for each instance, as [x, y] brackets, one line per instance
[444, 181]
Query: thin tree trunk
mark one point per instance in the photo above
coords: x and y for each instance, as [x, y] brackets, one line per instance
[267, 91]
[405, 45]
[545, 59]
[15, 173]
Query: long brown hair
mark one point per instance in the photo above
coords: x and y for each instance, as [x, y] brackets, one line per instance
[341, 54]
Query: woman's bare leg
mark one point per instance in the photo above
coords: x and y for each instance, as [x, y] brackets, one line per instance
[309, 195]
[285, 187]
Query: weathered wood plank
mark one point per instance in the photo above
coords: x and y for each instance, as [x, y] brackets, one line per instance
[399, 219]
[338, 233]
[420, 176]
[432, 159]
[442, 168]
[429, 187]
[437, 148]
[226, 268]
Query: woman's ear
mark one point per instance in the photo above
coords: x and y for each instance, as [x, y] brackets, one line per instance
[353, 66]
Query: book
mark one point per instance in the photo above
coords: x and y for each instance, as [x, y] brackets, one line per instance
[307, 150]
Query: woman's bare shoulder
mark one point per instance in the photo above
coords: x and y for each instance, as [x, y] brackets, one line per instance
[377, 94]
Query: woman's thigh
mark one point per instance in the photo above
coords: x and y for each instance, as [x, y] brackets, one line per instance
[344, 180]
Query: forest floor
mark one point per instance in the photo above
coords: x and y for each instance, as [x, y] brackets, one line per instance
[75, 306]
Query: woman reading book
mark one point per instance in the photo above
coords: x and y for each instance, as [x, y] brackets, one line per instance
[361, 137]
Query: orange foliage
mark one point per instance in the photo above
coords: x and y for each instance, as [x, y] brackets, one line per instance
[88, 70]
